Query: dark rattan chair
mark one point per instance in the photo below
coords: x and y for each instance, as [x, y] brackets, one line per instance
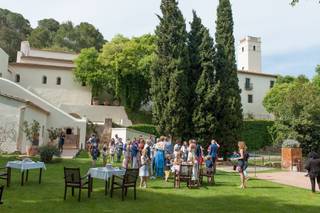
[5, 174]
[184, 175]
[129, 180]
[72, 179]
[206, 173]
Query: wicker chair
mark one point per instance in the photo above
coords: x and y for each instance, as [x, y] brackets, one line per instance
[73, 180]
[184, 175]
[129, 180]
[1, 192]
[204, 173]
[5, 174]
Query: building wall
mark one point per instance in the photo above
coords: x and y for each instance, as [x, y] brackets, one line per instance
[126, 134]
[57, 117]
[9, 124]
[3, 63]
[260, 87]
[249, 54]
[69, 92]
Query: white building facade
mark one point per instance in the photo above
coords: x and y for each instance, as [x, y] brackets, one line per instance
[254, 84]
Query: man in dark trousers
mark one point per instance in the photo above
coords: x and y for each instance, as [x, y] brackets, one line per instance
[313, 167]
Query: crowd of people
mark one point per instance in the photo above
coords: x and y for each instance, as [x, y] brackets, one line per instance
[163, 157]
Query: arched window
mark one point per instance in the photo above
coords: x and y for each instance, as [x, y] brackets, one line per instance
[44, 79]
[254, 48]
[58, 81]
[242, 49]
[17, 78]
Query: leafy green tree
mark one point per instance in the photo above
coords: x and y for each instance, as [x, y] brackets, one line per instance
[316, 78]
[170, 92]
[128, 61]
[297, 113]
[229, 115]
[66, 36]
[40, 38]
[50, 24]
[14, 28]
[91, 72]
[207, 92]
[88, 36]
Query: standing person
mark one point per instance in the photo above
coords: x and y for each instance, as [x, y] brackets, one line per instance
[144, 170]
[242, 163]
[104, 154]
[119, 147]
[213, 152]
[168, 147]
[94, 150]
[112, 150]
[192, 159]
[61, 142]
[177, 148]
[159, 157]
[184, 151]
[209, 168]
[134, 154]
[127, 155]
[313, 167]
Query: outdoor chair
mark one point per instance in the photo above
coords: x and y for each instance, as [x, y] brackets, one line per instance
[1, 192]
[204, 173]
[129, 180]
[184, 175]
[72, 179]
[5, 174]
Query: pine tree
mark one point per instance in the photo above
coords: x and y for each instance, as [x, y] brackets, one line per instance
[229, 115]
[170, 92]
[195, 37]
[207, 92]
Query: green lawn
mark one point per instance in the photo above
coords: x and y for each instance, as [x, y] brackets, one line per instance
[261, 196]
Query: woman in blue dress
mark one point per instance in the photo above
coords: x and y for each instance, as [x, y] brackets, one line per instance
[159, 158]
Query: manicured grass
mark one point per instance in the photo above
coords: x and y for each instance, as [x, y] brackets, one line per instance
[261, 196]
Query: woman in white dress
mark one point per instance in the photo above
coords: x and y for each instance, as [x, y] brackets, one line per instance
[192, 159]
[144, 169]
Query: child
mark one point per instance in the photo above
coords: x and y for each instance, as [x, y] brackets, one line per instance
[144, 169]
[104, 153]
[167, 167]
[209, 168]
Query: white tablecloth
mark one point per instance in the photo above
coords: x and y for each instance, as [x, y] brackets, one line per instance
[105, 173]
[26, 165]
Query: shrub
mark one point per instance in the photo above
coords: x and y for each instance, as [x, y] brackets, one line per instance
[255, 134]
[289, 143]
[47, 152]
[147, 128]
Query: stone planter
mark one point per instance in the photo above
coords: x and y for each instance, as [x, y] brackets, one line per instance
[291, 159]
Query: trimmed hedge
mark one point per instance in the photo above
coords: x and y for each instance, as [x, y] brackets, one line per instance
[255, 134]
[147, 128]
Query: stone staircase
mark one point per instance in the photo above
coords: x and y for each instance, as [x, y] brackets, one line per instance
[69, 153]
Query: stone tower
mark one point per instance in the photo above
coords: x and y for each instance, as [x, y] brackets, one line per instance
[249, 54]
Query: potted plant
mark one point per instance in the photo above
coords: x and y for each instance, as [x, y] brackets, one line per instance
[291, 154]
[47, 152]
[32, 135]
[53, 134]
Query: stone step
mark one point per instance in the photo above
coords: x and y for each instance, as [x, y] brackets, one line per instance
[69, 153]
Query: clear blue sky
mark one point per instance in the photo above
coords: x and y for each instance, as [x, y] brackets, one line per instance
[290, 35]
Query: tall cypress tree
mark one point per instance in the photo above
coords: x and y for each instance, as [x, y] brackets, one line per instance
[230, 113]
[207, 92]
[170, 92]
[195, 37]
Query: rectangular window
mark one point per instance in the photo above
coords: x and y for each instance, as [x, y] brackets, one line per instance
[271, 84]
[0, 74]
[250, 99]
[248, 84]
